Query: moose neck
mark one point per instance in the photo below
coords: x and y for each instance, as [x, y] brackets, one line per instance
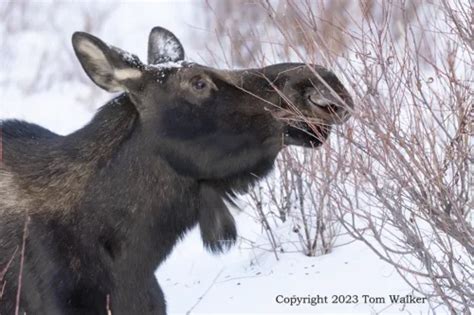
[152, 206]
[101, 138]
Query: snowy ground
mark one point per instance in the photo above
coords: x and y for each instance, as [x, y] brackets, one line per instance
[244, 280]
[250, 281]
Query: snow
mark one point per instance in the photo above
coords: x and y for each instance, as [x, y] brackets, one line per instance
[167, 65]
[163, 68]
[247, 280]
[60, 109]
[129, 58]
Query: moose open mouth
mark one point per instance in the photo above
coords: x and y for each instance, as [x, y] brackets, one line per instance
[306, 134]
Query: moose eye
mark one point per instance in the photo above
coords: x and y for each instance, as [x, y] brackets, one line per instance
[199, 84]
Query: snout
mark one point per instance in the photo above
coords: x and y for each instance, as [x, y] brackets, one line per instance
[319, 95]
[314, 100]
[309, 99]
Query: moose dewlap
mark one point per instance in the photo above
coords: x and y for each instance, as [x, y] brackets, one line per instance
[86, 219]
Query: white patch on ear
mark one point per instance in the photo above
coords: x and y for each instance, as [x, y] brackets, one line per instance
[126, 74]
[95, 55]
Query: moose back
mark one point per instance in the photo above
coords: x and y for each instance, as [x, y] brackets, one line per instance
[85, 219]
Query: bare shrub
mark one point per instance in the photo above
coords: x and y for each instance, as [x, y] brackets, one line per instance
[399, 175]
[296, 197]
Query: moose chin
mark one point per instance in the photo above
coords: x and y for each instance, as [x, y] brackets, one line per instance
[87, 218]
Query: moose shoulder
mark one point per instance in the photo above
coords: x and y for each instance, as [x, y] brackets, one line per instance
[85, 219]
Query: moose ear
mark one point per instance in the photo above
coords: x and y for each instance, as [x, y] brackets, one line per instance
[163, 46]
[110, 68]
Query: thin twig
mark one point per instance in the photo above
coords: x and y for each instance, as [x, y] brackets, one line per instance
[205, 292]
[22, 260]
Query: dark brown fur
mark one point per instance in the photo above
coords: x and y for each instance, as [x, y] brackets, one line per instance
[106, 204]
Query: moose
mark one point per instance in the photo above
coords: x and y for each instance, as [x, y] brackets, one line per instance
[86, 218]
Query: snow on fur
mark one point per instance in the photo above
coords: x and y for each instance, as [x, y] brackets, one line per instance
[164, 47]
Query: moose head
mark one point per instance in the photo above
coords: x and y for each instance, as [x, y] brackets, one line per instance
[213, 124]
